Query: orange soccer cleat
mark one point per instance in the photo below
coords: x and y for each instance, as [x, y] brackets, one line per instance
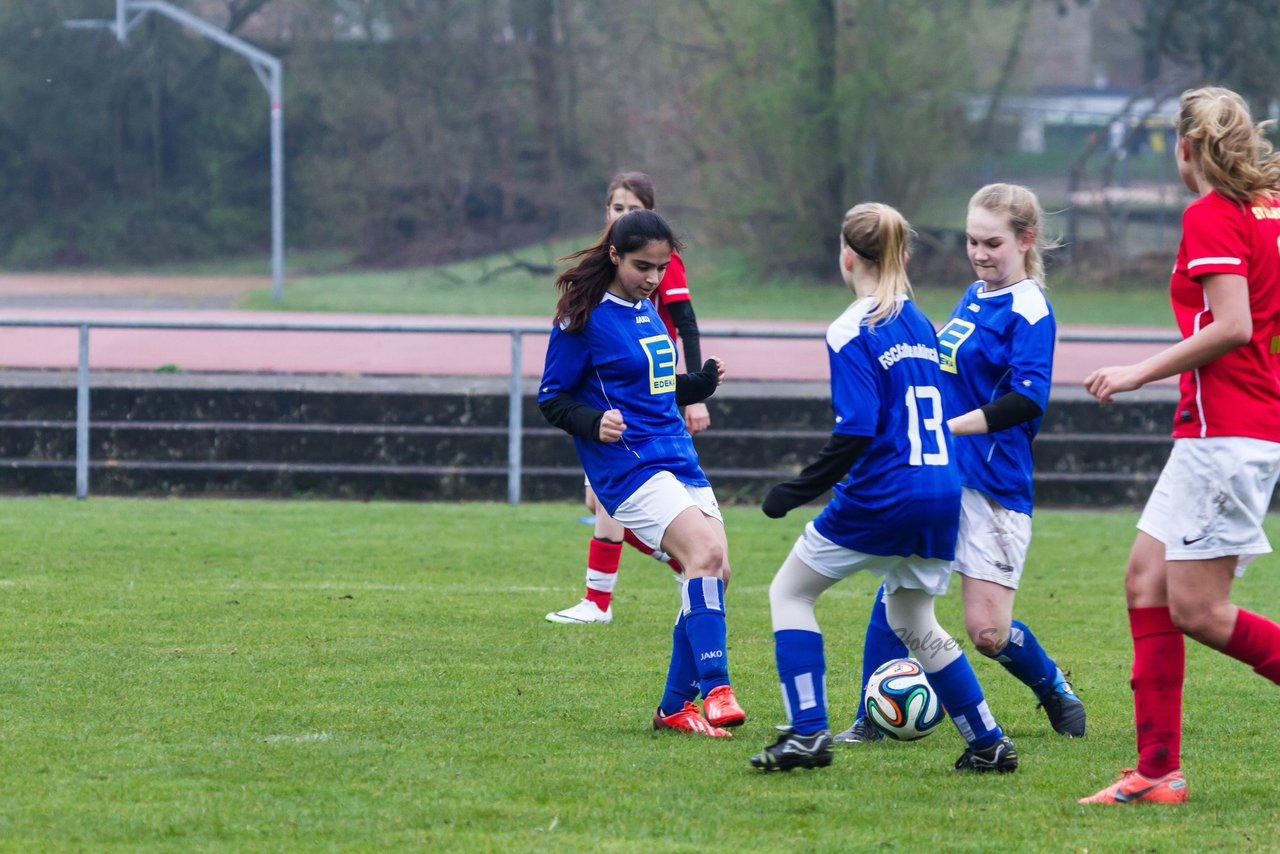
[1133, 788]
[721, 707]
[688, 719]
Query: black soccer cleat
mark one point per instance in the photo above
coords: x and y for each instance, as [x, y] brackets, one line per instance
[795, 751]
[1064, 708]
[862, 732]
[1001, 757]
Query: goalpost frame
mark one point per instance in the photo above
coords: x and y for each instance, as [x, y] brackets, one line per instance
[269, 70]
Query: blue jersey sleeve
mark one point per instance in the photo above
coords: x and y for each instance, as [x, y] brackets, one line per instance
[855, 394]
[568, 361]
[1031, 358]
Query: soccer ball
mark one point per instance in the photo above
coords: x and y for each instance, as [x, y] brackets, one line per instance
[900, 701]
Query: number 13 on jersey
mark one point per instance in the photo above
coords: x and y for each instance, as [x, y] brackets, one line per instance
[924, 412]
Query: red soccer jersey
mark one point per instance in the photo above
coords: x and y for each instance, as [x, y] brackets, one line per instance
[1238, 393]
[674, 288]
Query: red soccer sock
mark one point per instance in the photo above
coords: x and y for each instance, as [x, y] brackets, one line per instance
[1256, 641]
[602, 571]
[1159, 665]
[639, 545]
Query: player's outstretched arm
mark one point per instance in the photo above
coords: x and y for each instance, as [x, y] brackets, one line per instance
[832, 464]
[1002, 413]
[1232, 327]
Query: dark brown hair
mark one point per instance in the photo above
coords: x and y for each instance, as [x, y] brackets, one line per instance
[637, 182]
[582, 286]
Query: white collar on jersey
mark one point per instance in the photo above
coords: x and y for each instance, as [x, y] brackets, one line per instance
[848, 325]
[983, 293]
[609, 297]
[1028, 299]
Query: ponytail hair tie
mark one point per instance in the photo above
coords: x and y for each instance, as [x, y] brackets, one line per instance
[866, 256]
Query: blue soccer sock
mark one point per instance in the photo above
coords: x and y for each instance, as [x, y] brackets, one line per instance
[960, 693]
[881, 644]
[802, 670]
[1026, 659]
[705, 626]
[682, 675]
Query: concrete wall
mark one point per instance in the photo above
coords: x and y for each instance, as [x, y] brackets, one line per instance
[446, 439]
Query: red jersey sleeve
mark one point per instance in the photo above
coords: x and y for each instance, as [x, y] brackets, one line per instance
[1214, 239]
[674, 287]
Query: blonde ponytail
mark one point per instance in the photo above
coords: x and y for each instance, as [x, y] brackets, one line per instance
[881, 236]
[1233, 153]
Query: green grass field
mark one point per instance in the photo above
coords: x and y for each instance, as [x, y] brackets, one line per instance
[299, 676]
[725, 288]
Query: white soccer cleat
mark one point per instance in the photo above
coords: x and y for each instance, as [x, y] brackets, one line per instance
[585, 611]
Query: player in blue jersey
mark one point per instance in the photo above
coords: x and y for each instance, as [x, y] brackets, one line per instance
[634, 191]
[610, 381]
[895, 515]
[997, 365]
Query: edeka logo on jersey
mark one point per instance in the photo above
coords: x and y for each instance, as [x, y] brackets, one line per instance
[950, 337]
[662, 364]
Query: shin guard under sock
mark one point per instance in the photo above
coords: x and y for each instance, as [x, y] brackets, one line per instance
[1159, 664]
[603, 557]
[705, 626]
[802, 670]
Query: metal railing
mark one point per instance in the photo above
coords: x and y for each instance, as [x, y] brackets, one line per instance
[515, 427]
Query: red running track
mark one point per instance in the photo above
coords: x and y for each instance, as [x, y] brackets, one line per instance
[420, 354]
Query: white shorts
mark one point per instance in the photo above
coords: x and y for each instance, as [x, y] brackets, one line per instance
[835, 561]
[660, 499]
[993, 540]
[1211, 498]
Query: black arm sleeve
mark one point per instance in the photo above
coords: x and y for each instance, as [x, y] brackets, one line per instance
[832, 464]
[687, 328]
[1010, 410]
[576, 419]
[697, 386]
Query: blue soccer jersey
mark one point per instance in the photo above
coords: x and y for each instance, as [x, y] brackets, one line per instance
[997, 342]
[623, 359]
[902, 496]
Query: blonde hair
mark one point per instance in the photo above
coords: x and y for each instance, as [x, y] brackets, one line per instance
[1232, 151]
[1025, 215]
[881, 236]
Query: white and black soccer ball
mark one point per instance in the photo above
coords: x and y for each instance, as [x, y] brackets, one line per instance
[900, 701]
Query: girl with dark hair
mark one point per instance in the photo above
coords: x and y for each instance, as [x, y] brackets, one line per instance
[633, 191]
[610, 381]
